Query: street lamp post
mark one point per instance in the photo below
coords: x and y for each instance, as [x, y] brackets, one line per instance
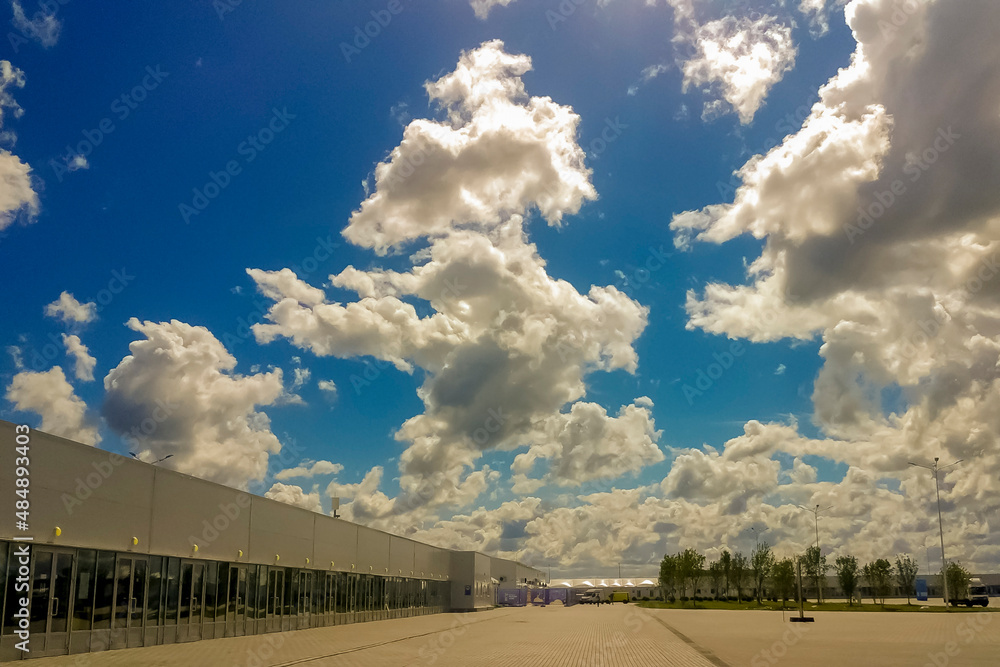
[937, 490]
[816, 510]
[153, 463]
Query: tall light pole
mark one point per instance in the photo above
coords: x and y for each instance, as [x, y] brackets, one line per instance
[937, 489]
[816, 510]
[756, 535]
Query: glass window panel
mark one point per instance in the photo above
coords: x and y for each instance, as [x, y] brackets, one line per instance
[123, 575]
[197, 592]
[104, 590]
[290, 578]
[173, 588]
[61, 584]
[300, 593]
[211, 584]
[262, 579]
[234, 587]
[185, 597]
[154, 591]
[40, 590]
[270, 592]
[83, 603]
[223, 595]
[293, 576]
[241, 593]
[252, 591]
[3, 575]
[138, 592]
[279, 590]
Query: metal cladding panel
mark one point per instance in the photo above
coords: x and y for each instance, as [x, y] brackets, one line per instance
[373, 551]
[431, 562]
[96, 498]
[281, 534]
[188, 511]
[440, 562]
[401, 552]
[504, 571]
[336, 542]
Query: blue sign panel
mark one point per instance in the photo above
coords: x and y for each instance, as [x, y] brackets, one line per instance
[921, 586]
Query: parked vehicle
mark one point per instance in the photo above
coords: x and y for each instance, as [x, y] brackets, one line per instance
[620, 596]
[978, 594]
[591, 596]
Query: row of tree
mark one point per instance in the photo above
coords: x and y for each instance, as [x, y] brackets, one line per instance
[763, 571]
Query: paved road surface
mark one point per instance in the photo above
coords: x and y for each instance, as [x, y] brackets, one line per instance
[604, 636]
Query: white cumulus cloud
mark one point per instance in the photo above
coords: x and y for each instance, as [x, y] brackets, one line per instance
[18, 199]
[71, 311]
[51, 396]
[310, 469]
[295, 495]
[83, 362]
[177, 393]
[507, 346]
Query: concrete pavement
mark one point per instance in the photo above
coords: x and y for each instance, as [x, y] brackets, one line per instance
[886, 639]
[597, 636]
[579, 636]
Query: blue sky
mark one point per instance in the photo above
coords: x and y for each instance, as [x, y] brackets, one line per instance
[224, 78]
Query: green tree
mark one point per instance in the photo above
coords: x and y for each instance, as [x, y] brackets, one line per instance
[847, 571]
[958, 580]
[739, 569]
[783, 578]
[690, 569]
[726, 561]
[906, 574]
[816, 568]
[668, 577]
[761, 563]
[716, 574]
[878, 576]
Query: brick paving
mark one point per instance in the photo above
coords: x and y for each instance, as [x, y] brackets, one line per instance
[587, 636]
[580, 636]
[856, 639]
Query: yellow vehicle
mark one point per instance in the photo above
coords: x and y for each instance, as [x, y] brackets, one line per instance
[620, 596]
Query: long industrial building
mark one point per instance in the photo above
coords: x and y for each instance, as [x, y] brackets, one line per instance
[99, 551]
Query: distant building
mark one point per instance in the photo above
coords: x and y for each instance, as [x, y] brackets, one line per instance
[120, 553]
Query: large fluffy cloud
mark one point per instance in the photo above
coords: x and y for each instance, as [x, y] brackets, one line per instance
[295, 495]
[585, 444]
[881, 223]
[18, 199]
[881, 237]
[733, 59]
[738, 60]
[51, 396]
[176, 393]
[505, 346]
[498, 152]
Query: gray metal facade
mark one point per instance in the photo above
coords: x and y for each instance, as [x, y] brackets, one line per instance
[127, 554]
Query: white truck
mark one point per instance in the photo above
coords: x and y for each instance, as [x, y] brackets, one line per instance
[978, 594]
